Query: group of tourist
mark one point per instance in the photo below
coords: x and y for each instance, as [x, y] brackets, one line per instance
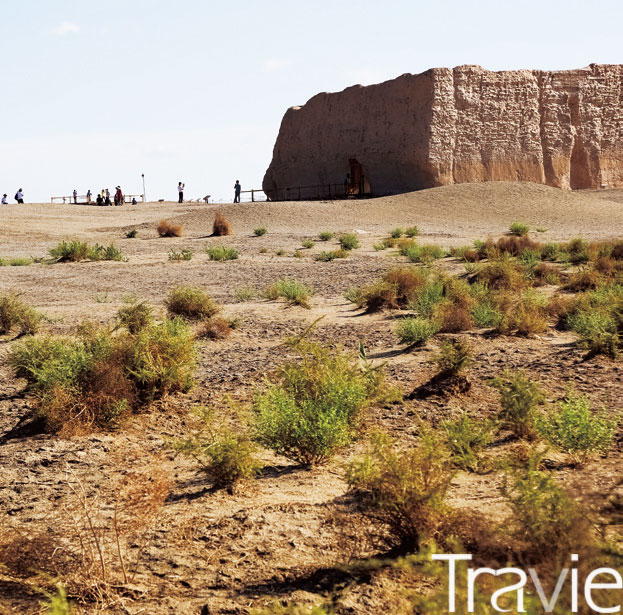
[103, 197]
[19, 197]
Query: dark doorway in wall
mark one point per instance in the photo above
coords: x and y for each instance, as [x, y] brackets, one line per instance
[579, 171]
[359, 182]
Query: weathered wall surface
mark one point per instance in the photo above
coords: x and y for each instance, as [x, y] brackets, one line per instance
[466, 124]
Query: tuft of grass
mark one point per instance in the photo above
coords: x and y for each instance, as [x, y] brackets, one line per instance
[245, 293]
[18, 261]
[260, 230]
[575, 429]
[415, 331]
[222, 253]
[315, 404]
[17, 315]
[404, 489]
[168, 229]
[191, 303]
[520, 398]
[221, 226]
[293, 291]
[325, 235]
[519, 228]
[297, 254]
[131, 234]
[183, 255]
[327, 257]
[349, 241]
[417, 253]
[308, 244]
[280, 252]
[396, 233]
[540, 229]
[412, 231]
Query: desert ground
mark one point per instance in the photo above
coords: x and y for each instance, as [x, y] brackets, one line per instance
[224, 551]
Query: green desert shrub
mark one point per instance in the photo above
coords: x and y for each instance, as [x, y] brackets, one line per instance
[454, 356]
[404, 489]
[519, 228]
[530, 258]
[308, 244]
[75, 251]
[293, 291]
[415, 330]
[280, 252]
[524, 313]
[57, 603]
[396, 233]
[520, 398]
[544, 516]
[577, 251]
[222, 253]
[428, 298]
[227, 456]
[466, 438]
[325, 235]
[15, 315]
[183, 255]
[135, 316]
[191, 302]
[550, 252]
[328, 256]
[486, 314]
[315, 404]
[599, 330]
[260, 230]
[349, 241]
[576, 430]
[95, 378]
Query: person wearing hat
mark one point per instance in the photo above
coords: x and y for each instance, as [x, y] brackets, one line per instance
[4, 201]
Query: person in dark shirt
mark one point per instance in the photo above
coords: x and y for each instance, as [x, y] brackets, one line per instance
[237, 189]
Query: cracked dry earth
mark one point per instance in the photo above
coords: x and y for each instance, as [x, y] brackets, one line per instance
[212, 551]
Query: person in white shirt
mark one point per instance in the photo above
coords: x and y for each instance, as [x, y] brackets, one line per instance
[19, 196]
[4, 201]
[180, 192]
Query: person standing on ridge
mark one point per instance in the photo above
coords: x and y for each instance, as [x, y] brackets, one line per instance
[237, 189]
[180, 192]
[89, 196]
[118, 196]
[19, 196]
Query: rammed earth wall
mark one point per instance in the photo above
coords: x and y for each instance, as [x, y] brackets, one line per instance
[467, 124]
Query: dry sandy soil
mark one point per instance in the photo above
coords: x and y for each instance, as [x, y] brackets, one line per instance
[226, 552]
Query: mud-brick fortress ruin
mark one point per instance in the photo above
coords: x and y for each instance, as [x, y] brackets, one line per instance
[445, 126]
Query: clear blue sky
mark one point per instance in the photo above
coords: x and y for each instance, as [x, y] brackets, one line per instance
[97, 92]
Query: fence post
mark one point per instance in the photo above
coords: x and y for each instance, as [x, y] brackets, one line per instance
[252, 196]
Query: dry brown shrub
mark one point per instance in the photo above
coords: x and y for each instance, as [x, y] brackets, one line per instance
[454, 317]
[586, 279]
[167, 229]
[94, 540]
[514, 245]
[215, 328]
[617, 251]
[407, 281]
[503, 274]
[221, 225]
[559, 306]
[471, 255]
[546, 273]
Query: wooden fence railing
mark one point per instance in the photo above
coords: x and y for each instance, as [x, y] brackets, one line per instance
[81, 199]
